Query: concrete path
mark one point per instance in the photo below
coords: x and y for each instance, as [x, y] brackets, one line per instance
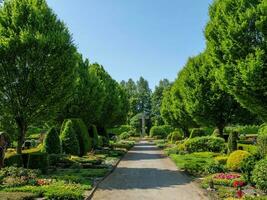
[146, 174]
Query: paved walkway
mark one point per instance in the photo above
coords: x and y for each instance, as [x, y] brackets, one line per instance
[146, 174]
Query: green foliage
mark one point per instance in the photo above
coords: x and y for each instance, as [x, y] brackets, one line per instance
[33, 38]
[94, 135]
[70, 143]
[236, 41]
[120, 129]
[247, 166]
[243, 130]
[259, 174]
[38, 161]
[80, 129]
[14, 160]
[221, 159]
[262, 140]
[232, 142]
[236, 158]
[195, 163]
[156, 101]
[173, 108]
[100, 141]
[202, 144]
[175, 136]
[160, 131]
[124, 135]
[253, 149]
[198, 132]
[52, 143]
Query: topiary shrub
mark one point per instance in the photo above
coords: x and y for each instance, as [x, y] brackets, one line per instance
[93, 134]
[14, 160]
[85, 142]
[38, 161]
[262, 140]
[69, 141]
[259, 175]
[175, 136]
[52, 144]
[232, 141]
[235, 160]
[198, 132]
[203, 144]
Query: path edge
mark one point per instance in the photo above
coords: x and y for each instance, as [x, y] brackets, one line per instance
[92, 191]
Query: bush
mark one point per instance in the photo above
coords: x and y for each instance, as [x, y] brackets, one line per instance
[175, 136]
[259, 175]
[121, 129]
[52, 142]
[198, 132]
[247, 166]
[80, 129]
[160, 131]
[70, 144]
[235, 159]
[221, 159]
[202, 144]
[38, 161]
[262, 140]
[14, 160]
[124, 136]
[94, 135]
[232, 141]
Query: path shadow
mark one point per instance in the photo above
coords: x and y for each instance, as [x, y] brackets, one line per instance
[134, 156]
[143, 178]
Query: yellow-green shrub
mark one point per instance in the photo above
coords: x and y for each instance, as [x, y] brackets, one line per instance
[235, 159]
[221, 159]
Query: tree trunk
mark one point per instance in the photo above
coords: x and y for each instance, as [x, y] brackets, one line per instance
[186, 132]
[2, 156]
[22, 127]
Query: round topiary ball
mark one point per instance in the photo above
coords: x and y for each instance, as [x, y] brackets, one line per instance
[259, 175]
[235, 159]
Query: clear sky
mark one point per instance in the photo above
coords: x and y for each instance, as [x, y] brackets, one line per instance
[133, 38]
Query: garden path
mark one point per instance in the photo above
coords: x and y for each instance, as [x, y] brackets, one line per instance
[146, 174]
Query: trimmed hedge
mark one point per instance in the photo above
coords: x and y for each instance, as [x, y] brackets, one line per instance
[259, 175]
[203, 144]
[14, 160]
[160, 131]
[235, 159]
[52, 142]
[38, 161]
[70, 144]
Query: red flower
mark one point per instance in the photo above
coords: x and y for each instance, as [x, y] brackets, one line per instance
[238, 184]
[239, 194]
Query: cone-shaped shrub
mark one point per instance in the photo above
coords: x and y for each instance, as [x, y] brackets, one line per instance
[94, 135]
[232, 141]
[70, 144]
[52, 144]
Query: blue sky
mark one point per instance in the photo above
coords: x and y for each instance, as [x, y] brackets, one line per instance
[133, 38]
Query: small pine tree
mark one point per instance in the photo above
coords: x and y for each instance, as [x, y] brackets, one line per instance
[232, 141]
[70, 144]
[94, 135]
[52, 144]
